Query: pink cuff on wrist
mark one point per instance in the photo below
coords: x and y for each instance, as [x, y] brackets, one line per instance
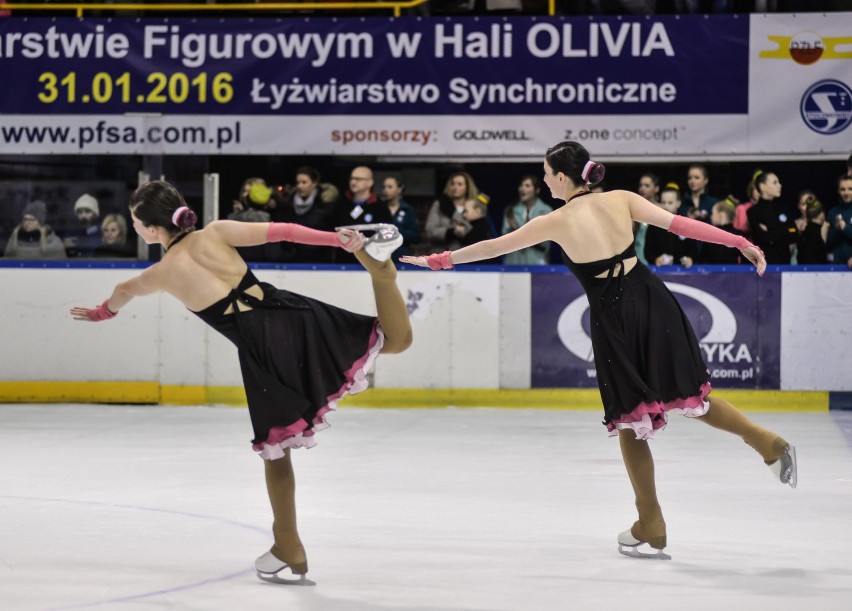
[102, 312]
[440, 260]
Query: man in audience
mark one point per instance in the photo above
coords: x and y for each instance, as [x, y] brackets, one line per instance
[360, 205]
[86, 237]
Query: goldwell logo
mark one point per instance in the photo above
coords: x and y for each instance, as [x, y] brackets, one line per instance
[807, 48]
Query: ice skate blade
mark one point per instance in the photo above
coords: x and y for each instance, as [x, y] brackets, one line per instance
[385, 239]
[632, 551]
[270, 569]
[299, 580]
[786, 468]
[367, 227]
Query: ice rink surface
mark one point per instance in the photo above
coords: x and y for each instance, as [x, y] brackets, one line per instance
[143, 507]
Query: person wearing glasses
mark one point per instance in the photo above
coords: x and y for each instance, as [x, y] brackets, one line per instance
[360, 205]
[33, 238]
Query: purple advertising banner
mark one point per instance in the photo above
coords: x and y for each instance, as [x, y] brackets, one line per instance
[736, 317]
[376, 66]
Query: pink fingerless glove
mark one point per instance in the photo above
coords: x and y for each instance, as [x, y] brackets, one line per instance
[102, 312]
[292, 232]
[440, 260]
[698, 230]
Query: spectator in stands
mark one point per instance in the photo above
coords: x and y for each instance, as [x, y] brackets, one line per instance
[475, 214]
[34, 238]
[698, 204]
[359, 205]
[663, 247]
[649, 188]
[773, 231]
[528, 207]
[311, 203]
[84, 240]
[251, 207]
[241, 203]
[114, 242]
[806, 198]
[722, 217]
[741, 211]
[446, 213]
[811, 245]
[402, 214]
[849, 166]
[840, 218]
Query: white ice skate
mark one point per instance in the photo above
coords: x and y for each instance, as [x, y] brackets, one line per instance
[269, 568]
[785, 467]
[633, 547]
[384, 240]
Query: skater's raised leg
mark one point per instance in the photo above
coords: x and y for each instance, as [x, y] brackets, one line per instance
[390, 305]
[650, 528]
[779, 455]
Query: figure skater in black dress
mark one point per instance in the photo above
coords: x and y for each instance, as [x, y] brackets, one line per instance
[646, 353]
[297, 355]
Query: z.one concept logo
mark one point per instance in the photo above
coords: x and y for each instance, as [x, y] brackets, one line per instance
[807, 48]
[718, 342]
[826, 107]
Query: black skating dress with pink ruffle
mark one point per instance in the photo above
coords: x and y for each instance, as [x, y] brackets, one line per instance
[297, 355]
[646, 354]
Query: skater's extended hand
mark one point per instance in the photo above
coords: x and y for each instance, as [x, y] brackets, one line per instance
[755, 255]
[352, 240]
[102, 312]
[434, 261]
[412, 260]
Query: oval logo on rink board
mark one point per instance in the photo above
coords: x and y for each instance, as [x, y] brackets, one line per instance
[569, 326]
[826, 107]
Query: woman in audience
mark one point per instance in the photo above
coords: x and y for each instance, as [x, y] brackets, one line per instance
[528, 207]
[33, 238]
[445, 224]
[773, 231]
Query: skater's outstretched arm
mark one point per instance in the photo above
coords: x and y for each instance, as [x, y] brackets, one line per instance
[238, 233]
[645, 212]
[146, 283]
[539, 229]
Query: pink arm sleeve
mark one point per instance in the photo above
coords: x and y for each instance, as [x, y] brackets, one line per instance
[698, 230]
[291, 232]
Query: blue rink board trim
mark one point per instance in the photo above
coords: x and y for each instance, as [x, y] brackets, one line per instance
[467, 267]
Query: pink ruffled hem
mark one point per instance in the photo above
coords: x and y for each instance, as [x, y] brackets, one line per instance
[298, 435]
[647, 418]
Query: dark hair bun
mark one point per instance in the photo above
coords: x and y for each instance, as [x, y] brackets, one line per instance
[187, 218]
[596, 173]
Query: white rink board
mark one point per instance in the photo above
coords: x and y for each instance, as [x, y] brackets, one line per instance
[471, 330]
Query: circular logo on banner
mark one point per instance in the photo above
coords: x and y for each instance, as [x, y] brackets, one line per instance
[806, 48]
[827, 107]
[569, 327]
